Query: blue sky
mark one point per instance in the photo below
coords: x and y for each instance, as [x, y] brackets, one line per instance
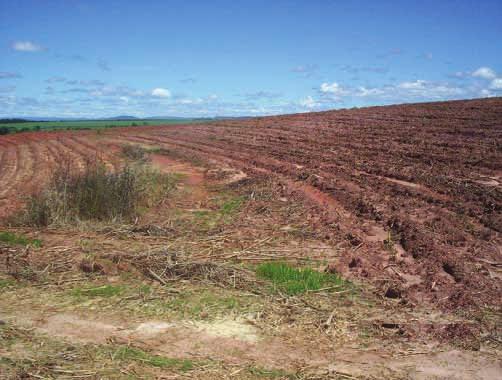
[78, 58]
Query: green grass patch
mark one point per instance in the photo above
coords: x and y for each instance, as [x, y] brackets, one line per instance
[202, 214]
[177, 177]
[104, 291]
[5, 283]
[269, 373]
[231, 205]
[134, 300]
[223, 210]
[193, 304]
[293, 281]
[130, 353]
[16, 239]
[156, 186]
[173, 153]
[55, 358]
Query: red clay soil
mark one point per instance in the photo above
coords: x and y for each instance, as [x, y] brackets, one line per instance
[429, 176]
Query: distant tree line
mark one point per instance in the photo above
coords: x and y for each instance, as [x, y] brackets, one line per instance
[11, 121]
[6, 130]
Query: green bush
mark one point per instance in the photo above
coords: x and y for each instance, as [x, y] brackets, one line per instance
[95, 194]
[133, 152]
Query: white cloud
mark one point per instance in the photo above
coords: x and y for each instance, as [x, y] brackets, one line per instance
[484, 72]
[333, 88]
[161, 92]
[27, 46]
[442, 90]
[484, 93]
[363, 91]
[207, 100]
[331, 94]
[305, 68]
[418, 84]
[185, 101]
[459, 74]
[309, 102]
[496, 84]
[56, 80]
[425, 90]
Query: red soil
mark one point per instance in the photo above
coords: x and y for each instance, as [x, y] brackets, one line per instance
[428, 174]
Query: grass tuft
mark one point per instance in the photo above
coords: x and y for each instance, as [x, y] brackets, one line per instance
[293, 281]
[16, 239]
[5, 283]
[100, 291]
[231, 205]
[269, 373]
[130, 353]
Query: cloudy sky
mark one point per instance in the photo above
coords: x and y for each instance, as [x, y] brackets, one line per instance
[86, 58]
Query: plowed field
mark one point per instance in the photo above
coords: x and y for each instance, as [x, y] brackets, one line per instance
[411, 194]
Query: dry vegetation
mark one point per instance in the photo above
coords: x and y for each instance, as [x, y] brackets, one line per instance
[366, 249]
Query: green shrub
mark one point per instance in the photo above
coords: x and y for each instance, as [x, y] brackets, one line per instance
[6, 130]
[95, 194]
[133, 152]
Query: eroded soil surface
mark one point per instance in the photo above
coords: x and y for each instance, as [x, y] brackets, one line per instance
[404, 202]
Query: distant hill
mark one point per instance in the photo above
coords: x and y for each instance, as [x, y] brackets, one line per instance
[44, 118]
[232, 117]
[122, 117]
